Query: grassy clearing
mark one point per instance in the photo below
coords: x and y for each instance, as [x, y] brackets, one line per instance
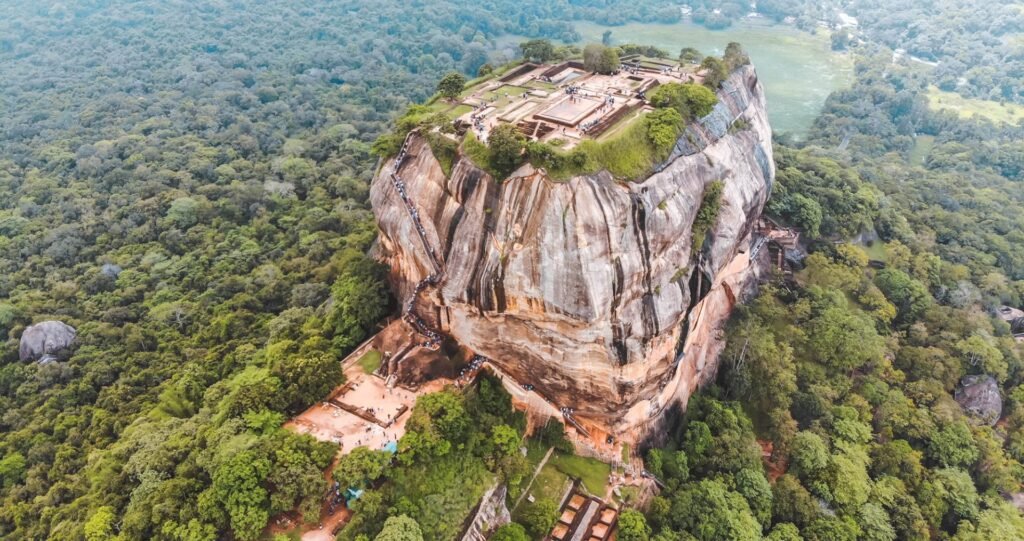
[618, 127]
[370, 361]
[592, 472]
[459, 111]
[1008, 113]
[503, 90]
[541, 85]
[876, 251]
[535, 452]
[550, 483]
[503, 95]
[922, 147]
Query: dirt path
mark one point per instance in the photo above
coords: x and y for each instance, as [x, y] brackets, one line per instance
[536, 472]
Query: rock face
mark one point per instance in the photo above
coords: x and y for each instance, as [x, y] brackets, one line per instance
[587, 289]
[979, 396]
[491, 514]
[44, 341]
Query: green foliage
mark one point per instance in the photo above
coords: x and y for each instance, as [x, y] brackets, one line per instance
[841, 338]
[832, 529]
[792, 503]
[910, 296]
[510, 532]
[506, 146]
[809, 455]
[437, 423]
[253, 389]
[820, 195]
[539, 517]
[784, 532]
[708, 510]
[735, 56]
[552, 434]
[633, 526]
[12, 469]
[591, 472]
[980, 355]
[100, 526]
[953, 446]
[689, 55]
[400, 528]
[692, 101]
[875, 523]
[723, 441]
[538, 50]
[715, 71]
[307, 378]
[454, 448]
[237, 493]
[360, 467]
[600, 59]
[643, 50]
[754, 487]
[451, 85]
[361, 299]
[663, 127]
[707, 213]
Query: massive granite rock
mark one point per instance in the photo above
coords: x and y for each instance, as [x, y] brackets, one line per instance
[44, 341]
[979, 396]
[588, 289]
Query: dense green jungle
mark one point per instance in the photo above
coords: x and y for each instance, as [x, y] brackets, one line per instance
[187, 183]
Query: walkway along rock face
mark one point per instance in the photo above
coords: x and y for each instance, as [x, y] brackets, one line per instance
[587, 290]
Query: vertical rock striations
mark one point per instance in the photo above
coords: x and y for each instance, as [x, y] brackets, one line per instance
[589, 289]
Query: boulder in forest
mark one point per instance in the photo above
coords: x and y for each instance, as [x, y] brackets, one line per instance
[110, 270]
[44, 341]
[979, 397]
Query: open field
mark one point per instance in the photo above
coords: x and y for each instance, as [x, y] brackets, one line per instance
[370, 361]
[1009, 113]
[922, 147]
[550, 484]
[798, 69]
[592, 472]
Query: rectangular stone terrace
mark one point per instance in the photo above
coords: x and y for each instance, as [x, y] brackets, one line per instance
[564, 103]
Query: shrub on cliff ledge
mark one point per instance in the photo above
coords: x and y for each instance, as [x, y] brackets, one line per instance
[710, 205]
[715, 71]
[692, 101]
[663, 127]
[506, 145]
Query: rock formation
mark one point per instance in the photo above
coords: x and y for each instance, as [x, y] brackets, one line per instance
[979, 397]
[44, 341]
[587, 290]
[491, 514]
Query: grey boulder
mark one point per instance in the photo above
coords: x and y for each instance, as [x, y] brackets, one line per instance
[44, 341]
[979, 397]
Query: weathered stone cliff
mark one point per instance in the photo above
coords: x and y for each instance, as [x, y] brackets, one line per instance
[587, 289]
